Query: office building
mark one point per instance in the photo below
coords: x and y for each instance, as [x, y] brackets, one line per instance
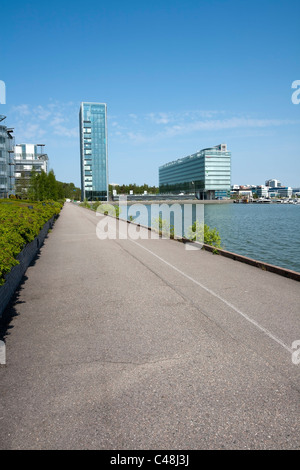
[206, 174]
[285, 191]
[93, 151]
[272, 183]
[262, 191]
[29, 158]
[6, 160]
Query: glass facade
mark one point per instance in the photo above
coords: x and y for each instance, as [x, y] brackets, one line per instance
[93, 151]
[6, 160]
[28, 158]
[207, 174]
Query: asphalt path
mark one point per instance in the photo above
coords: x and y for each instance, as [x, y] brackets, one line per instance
[144, 344]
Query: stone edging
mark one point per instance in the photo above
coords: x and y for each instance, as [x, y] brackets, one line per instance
[13, 278]
[258, 264]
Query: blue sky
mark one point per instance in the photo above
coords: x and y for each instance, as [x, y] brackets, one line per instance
[176, 77]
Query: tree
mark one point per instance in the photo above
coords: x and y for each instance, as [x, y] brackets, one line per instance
[22, 186]
[126, 188]
[43, 186]
[52, 186]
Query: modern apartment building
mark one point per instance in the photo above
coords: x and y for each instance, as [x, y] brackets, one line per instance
[93, 151]
[272, 183]
[6, 160]
[29, 158]
[206, 173]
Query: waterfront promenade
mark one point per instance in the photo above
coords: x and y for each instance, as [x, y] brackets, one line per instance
[142, 344]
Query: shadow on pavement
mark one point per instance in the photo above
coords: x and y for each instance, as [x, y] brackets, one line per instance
[11, 312]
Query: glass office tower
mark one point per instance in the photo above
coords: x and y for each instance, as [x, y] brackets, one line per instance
[206, 174]
[93, 151]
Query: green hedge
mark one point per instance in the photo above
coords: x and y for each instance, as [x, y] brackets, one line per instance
[20, 223]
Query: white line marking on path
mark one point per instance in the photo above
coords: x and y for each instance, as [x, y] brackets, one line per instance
[257, 325]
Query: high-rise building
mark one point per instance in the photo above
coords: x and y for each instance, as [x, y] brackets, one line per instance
[206, 174]
[93, 151]
[6, 160]
[29, 158]
[272, 183]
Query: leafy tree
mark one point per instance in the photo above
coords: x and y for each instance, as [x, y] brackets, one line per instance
[43, 186]
[125, 189]
[22, 186]
[52, 186]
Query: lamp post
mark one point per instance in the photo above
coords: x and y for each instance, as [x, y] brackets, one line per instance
[194, 189]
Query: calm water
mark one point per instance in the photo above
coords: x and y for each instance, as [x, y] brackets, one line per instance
[265, 232]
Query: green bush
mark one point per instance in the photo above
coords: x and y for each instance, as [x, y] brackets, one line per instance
[204, 234]
[95, 205]
[109, 209]
[163, 227]
[85, 204]
[20, 223]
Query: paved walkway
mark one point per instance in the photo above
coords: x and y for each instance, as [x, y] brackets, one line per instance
[121, 344]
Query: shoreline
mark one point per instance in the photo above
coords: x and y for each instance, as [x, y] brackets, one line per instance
[171, 201]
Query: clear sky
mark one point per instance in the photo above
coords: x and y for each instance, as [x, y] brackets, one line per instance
[176, 76]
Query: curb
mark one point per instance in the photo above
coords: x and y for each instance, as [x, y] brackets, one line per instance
[253, 262]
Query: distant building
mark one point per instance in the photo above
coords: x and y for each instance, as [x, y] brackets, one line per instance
[206, 173]
[6, 160]
[245, 192]
[273, 183]
[273, 192]
[285, 191]
[28, 158]
[262, 191]
[93, 151]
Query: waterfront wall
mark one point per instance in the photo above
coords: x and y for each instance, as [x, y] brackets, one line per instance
[169, 200]
[252, 262]
[25, 257]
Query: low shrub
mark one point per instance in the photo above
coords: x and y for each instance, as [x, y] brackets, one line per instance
[204, 234]
[20, 223]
